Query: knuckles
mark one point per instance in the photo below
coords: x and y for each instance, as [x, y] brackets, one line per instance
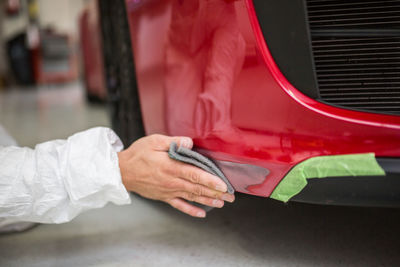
[198, 190]
[191, 197]
[157, 140]
[193, 177]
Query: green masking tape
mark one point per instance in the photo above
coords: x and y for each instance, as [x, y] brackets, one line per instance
[325, 166]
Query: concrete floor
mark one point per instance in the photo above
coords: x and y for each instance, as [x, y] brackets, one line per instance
[251, 232]
[32, 116]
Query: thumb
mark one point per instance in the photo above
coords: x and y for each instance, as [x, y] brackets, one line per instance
[162, 142]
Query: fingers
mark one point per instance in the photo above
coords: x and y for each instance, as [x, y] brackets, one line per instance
[211, 202]
[162, 142]
[188, 172]
[187, 208]
[198, 176]
[200, 190]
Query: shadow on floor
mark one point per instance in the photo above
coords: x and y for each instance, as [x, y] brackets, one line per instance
[308, 234]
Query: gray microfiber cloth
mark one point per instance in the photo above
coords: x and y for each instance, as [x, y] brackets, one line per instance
[192, 157]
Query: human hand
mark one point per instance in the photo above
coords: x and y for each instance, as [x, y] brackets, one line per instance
[147, 170]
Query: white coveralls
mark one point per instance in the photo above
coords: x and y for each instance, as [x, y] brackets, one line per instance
[59, 179]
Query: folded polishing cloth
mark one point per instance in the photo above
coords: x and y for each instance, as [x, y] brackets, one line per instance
[191, 157]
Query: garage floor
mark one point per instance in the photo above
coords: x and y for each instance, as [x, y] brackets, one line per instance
[251, 232]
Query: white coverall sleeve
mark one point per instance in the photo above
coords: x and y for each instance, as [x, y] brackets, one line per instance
[60, 179]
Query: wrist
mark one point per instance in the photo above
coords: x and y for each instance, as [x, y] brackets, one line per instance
[122, 164]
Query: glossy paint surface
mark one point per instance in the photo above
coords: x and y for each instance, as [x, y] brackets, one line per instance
[204, 70]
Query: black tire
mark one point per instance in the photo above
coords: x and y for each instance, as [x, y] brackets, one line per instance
[123, 97]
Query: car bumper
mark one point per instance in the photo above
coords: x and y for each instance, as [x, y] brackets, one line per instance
[379, 191]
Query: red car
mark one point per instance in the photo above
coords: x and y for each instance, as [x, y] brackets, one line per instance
[264, 88]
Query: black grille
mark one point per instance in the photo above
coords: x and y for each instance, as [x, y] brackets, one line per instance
[356, 49]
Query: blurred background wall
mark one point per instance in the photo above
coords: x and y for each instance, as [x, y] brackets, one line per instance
[42, 95]
[60, 14]
[44, 27]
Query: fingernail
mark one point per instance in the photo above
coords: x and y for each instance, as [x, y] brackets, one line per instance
[182, 143]
[222, 188]
[201, 214]
[229, 198]
[185, 142]
[217, 203]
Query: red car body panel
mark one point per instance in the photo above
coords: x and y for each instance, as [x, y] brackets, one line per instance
[204, 70]
[91, 47]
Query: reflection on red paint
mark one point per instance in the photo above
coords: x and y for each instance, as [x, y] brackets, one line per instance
[204, 71]
[204, 53]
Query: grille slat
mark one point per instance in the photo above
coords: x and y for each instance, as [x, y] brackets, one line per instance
[392, 59]
[356, 48]
[366, 74]
[346, 10]
[361, 24]
[333, 43]
[359, 79]
[358, 90]
[361, 51]
[359, 55]
[357, 105]
[318, 4]
[353, 71]
[376, 64]
[362, 98]
[358, 84]
[359, 20]
[345, 94]
[353, 14]
[382, 51]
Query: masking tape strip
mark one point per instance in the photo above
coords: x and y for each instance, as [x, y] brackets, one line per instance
[325, 166]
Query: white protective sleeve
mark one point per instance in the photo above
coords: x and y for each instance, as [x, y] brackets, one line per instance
[60, 179]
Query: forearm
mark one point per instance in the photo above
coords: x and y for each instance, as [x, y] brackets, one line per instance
[60, 179]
